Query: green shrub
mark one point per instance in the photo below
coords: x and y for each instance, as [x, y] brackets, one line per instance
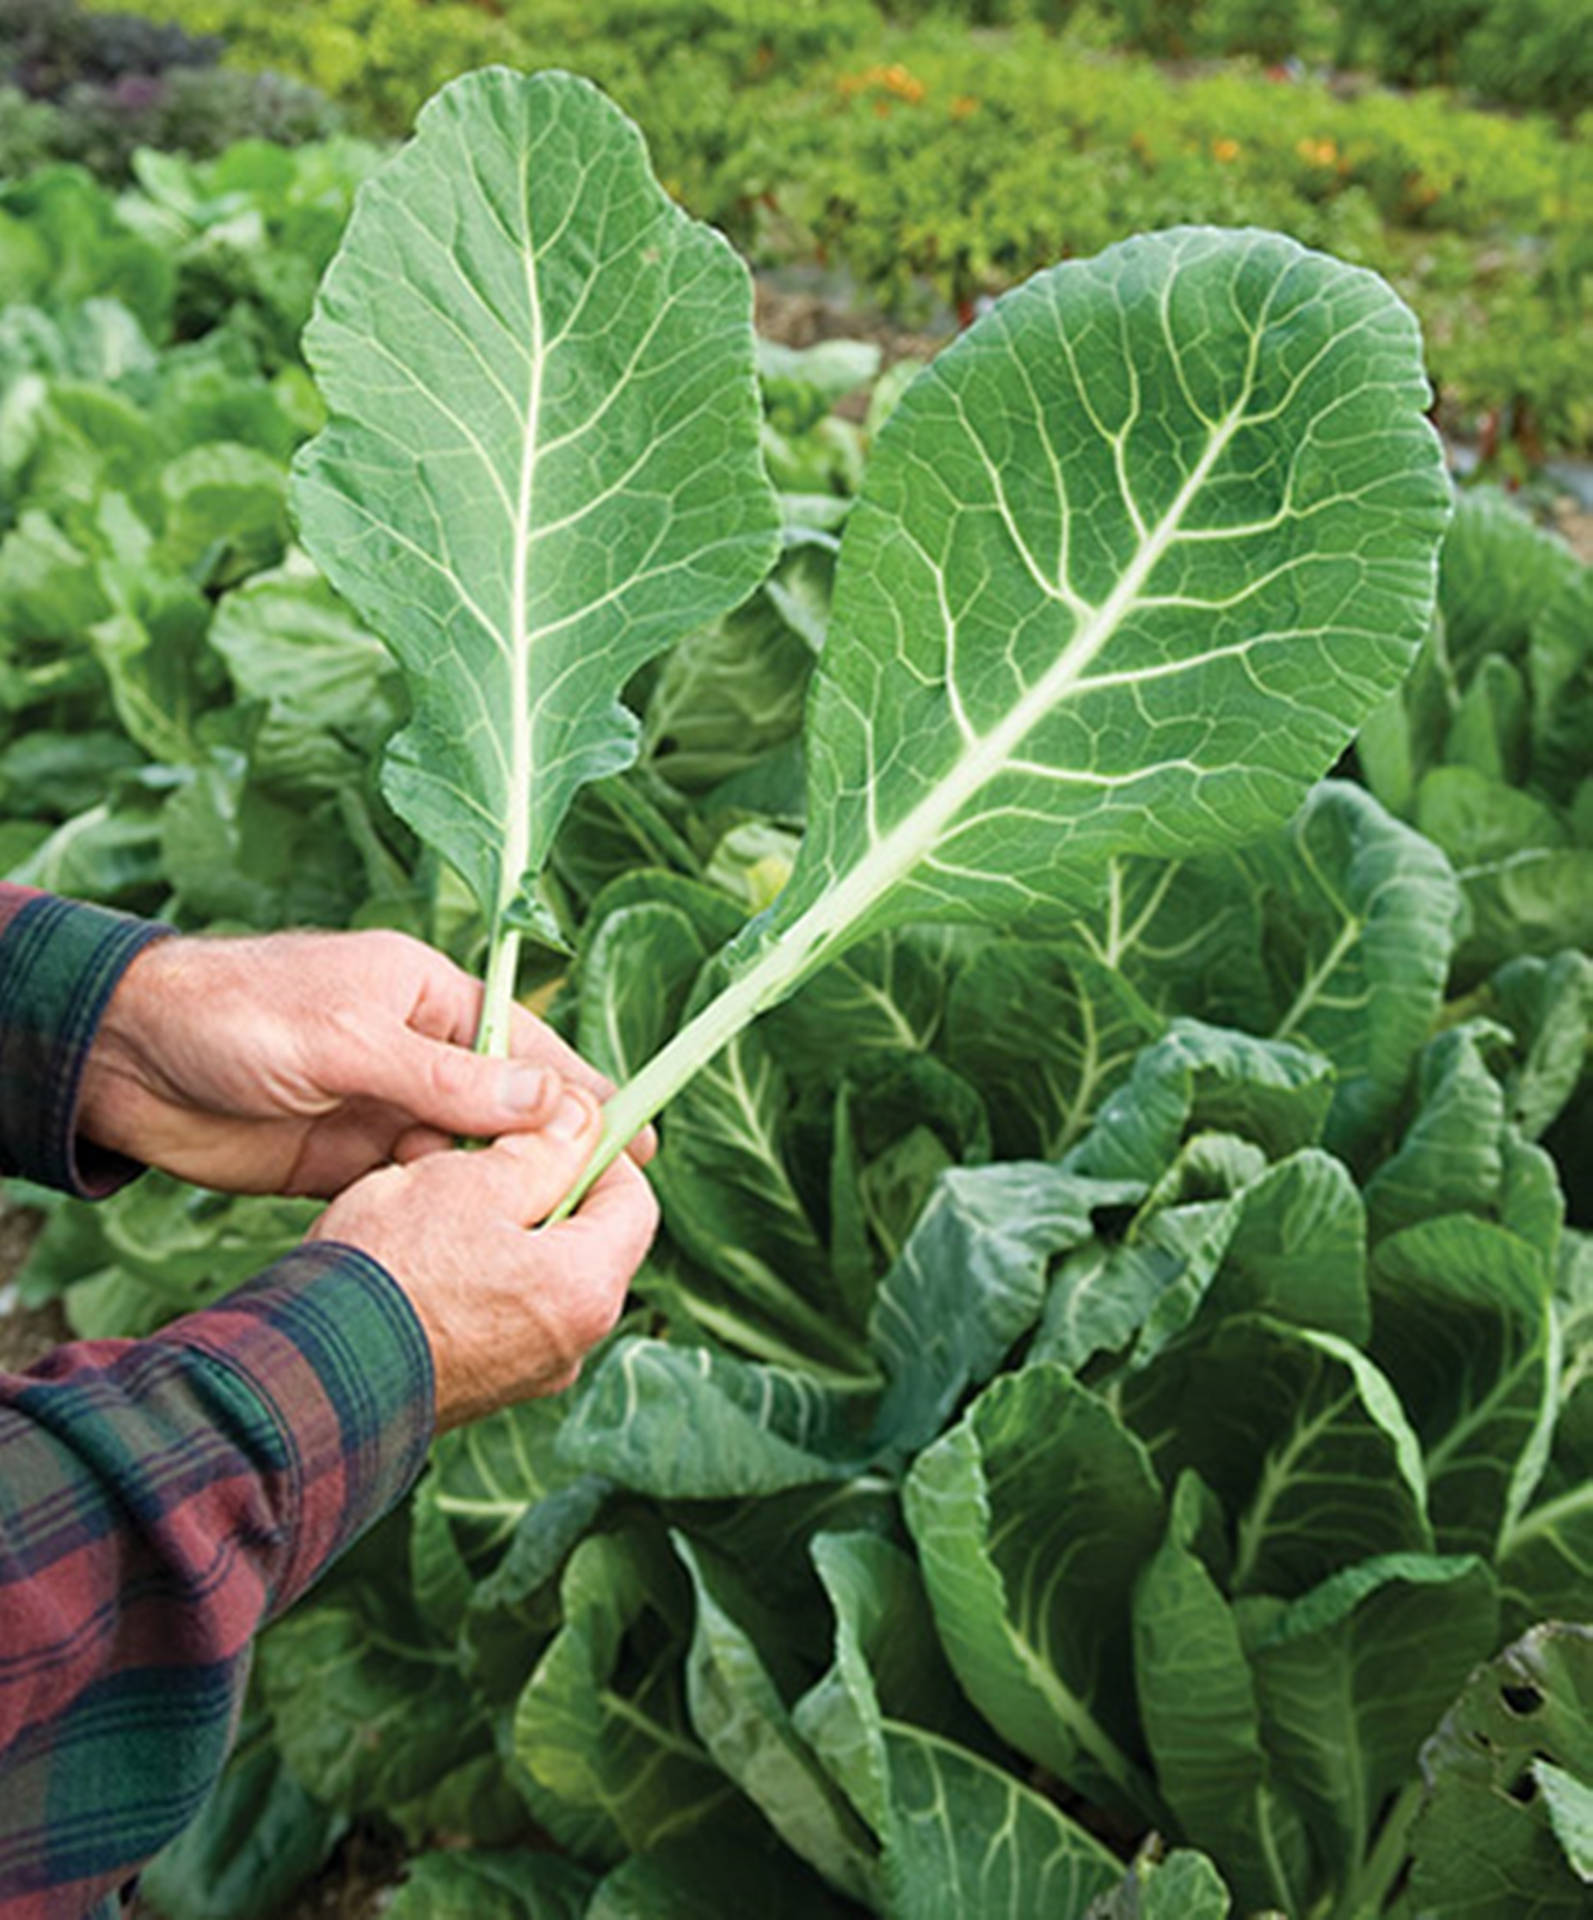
[1533, 53]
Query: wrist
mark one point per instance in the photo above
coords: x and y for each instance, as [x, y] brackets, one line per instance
[117, 1074]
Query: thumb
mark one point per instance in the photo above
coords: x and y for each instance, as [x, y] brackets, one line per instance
[455, 1091]
[521, 1177]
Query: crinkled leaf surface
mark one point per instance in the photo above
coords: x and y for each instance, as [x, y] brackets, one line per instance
[542, 462]
[1131, 561]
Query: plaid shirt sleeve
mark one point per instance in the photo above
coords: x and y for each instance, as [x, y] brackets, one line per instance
[161, 1499]
[59, 965]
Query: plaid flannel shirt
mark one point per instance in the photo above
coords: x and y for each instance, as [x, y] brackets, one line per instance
[160, 1499]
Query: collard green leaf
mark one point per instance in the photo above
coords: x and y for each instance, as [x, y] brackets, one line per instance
[686, 1423]
[1197, 1701]
[1301, 1437]
[1360, 923]
[1184, 1886]
[887, 995]
[1353, 1676]
[491, 1886]
[728, 695]
[636, 974]
[969, 1841]
[1548, 1005]
[365, 1703]
[1570, 1804]
[1489, 730]
[1198, 1078]
[330, 687]
[1032, 1516]
[1452, 1156]
[726, 1178]
[1560, 667]
[542, 461]
[887, 1661]
[1298, 1249]
[1130, 505]
[601, 1728]
[256, 1840]
[741, 1717]
[1546, 1557]
[1463, 1329]
[1497, 573]
[1488, 1844]
[970, 1281]
[1046, 1032]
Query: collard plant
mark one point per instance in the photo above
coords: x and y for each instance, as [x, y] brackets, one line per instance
[1131, 561]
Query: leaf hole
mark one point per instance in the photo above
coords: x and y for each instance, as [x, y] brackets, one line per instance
[1523, 1789]
[1521, 1700]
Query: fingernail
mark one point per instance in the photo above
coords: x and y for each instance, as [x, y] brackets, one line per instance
[573, 1117]
[524, 1088]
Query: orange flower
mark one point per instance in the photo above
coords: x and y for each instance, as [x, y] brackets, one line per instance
[1225, 150]
[963, 105]
[903, 83]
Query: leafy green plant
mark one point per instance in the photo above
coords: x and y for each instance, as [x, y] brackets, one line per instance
[1113, 1375]
[1022, 657]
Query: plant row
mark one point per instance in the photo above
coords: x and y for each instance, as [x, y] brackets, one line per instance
[926, 164]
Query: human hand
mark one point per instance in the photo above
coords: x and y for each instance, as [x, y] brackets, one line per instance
[297, 1062]
[508, 1312]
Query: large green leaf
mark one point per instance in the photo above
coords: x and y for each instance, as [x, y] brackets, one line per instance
[1032, 1516]
[740, 1715]
[1496, 1839]
[887, 1661]
[1359, 926]
[601, 1727]
[1197, 1700]
[1499, 572]
[1463, 1329]
[970, 1281]
[1046, 1032]
[1198, 1078]
[1094, 596]
[687, 1423]
[1452, 1156]
[970, 1841]
[366, 1704]
[1132, 559]
[1352, 1677]
[1301, 1437]
[542, 461]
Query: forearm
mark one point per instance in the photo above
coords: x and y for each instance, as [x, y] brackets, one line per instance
[162, 1499]
[59, 965]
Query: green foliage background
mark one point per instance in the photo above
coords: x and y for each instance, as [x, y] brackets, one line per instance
[931, 163]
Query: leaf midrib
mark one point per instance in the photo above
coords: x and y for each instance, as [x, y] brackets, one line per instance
[914, 837]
